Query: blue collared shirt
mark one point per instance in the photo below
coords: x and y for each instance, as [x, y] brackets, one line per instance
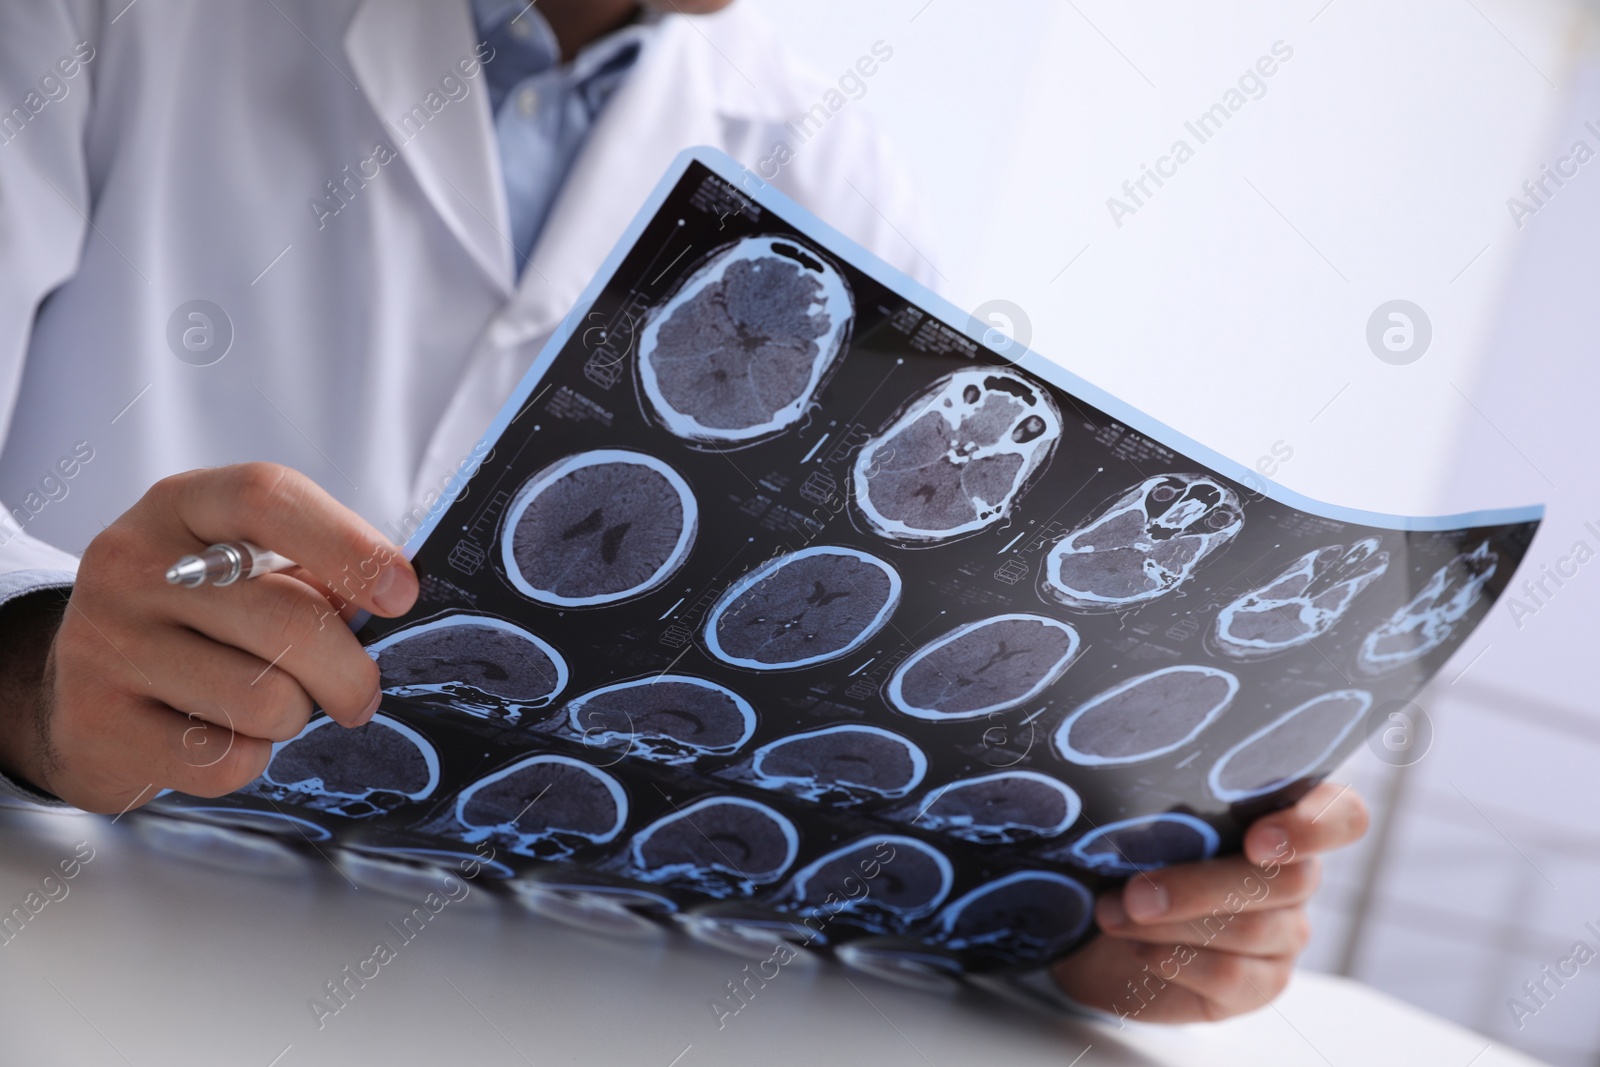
[543, 109]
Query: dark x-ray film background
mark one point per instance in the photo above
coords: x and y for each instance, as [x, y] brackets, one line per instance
[783, 606]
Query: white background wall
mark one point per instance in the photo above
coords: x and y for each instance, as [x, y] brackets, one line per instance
[1234, 307]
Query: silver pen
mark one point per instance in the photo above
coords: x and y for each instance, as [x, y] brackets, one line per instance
[225, 564]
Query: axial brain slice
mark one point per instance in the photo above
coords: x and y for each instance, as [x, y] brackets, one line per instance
[598, 527]
[883, 882]
[720, 846]
[958, 458]
[1290, 748]
[1146, 716]
[738, 352]
[1430, 618]
[383, 755]
[546, 804]
[1302, 603]
[485, 654]
[983, 667]
[1145, 843]
[1143, 545]
[1002, 808]
[1026, 915]
[803, 608]
[844, 764]
[670, 718]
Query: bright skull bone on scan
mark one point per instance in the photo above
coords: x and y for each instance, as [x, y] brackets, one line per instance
[1146, 843]
[1144, 544]
[1300, 604]
[1146, 716]
[1001, 809]
[669, 718]
[844, 764]
[548, 806]
[597, 528]
[738, 352]
[352, 767]
[882, 883]
[803, 608]
[494, 657]
[1025, 915]
[1291, 748]
[720, 846]
[982, 667]
[958, 458]
[1430, 618]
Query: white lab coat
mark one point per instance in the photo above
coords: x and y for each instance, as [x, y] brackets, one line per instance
[371, 347]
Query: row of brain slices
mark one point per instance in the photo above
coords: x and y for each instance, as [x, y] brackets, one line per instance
[489, 668]
[603, 526]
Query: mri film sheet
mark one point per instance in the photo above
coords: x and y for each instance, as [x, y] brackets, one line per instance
[783, 597]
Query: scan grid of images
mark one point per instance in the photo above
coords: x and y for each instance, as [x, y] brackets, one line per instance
[784, 606]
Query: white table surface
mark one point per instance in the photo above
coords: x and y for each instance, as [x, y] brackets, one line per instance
[151, 959]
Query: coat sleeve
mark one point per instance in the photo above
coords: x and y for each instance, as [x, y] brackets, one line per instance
[48, 50]
[47, 68]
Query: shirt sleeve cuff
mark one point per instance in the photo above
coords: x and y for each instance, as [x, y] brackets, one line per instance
[14, 584]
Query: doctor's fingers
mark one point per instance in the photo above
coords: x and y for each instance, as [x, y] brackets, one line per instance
[230, 688]
[1196, 890]
[291, 629]
[1330, 816]
[283, 510]
[1274, 932]
[109, 763]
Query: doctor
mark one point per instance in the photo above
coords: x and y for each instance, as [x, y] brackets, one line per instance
[242, 241]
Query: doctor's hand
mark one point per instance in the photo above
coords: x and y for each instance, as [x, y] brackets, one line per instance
[145, 685]
[1204, 941]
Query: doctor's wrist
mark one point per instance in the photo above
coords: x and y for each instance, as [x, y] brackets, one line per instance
[28, 627]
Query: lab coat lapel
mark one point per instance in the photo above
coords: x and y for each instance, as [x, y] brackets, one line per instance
[664, 106]
[400, 50]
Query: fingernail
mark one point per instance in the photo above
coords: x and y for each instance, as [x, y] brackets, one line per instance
[394, 591]
[1145, 900]
[1110, 913]
[1269, 843]
[371, 710]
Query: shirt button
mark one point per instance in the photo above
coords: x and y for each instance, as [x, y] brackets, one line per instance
[528, 101]
[520, 28]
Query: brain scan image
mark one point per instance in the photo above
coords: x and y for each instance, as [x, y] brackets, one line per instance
[1300, 604]
[1146, 716]
[1144, 544]
[1146, 843]
[598, 527]
[1291, 748]
[738, 352]
[1431, 617]
[840, 765]
[958, 458]
[982, 667]
[356, 773]
[721, 846]
[806, 607]
[546, 806]
[669, 718]
[882, 883]
[484, 665]
[1001, 809]
[1026, 915]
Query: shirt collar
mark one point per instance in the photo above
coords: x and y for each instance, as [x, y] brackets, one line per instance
[540, 49]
